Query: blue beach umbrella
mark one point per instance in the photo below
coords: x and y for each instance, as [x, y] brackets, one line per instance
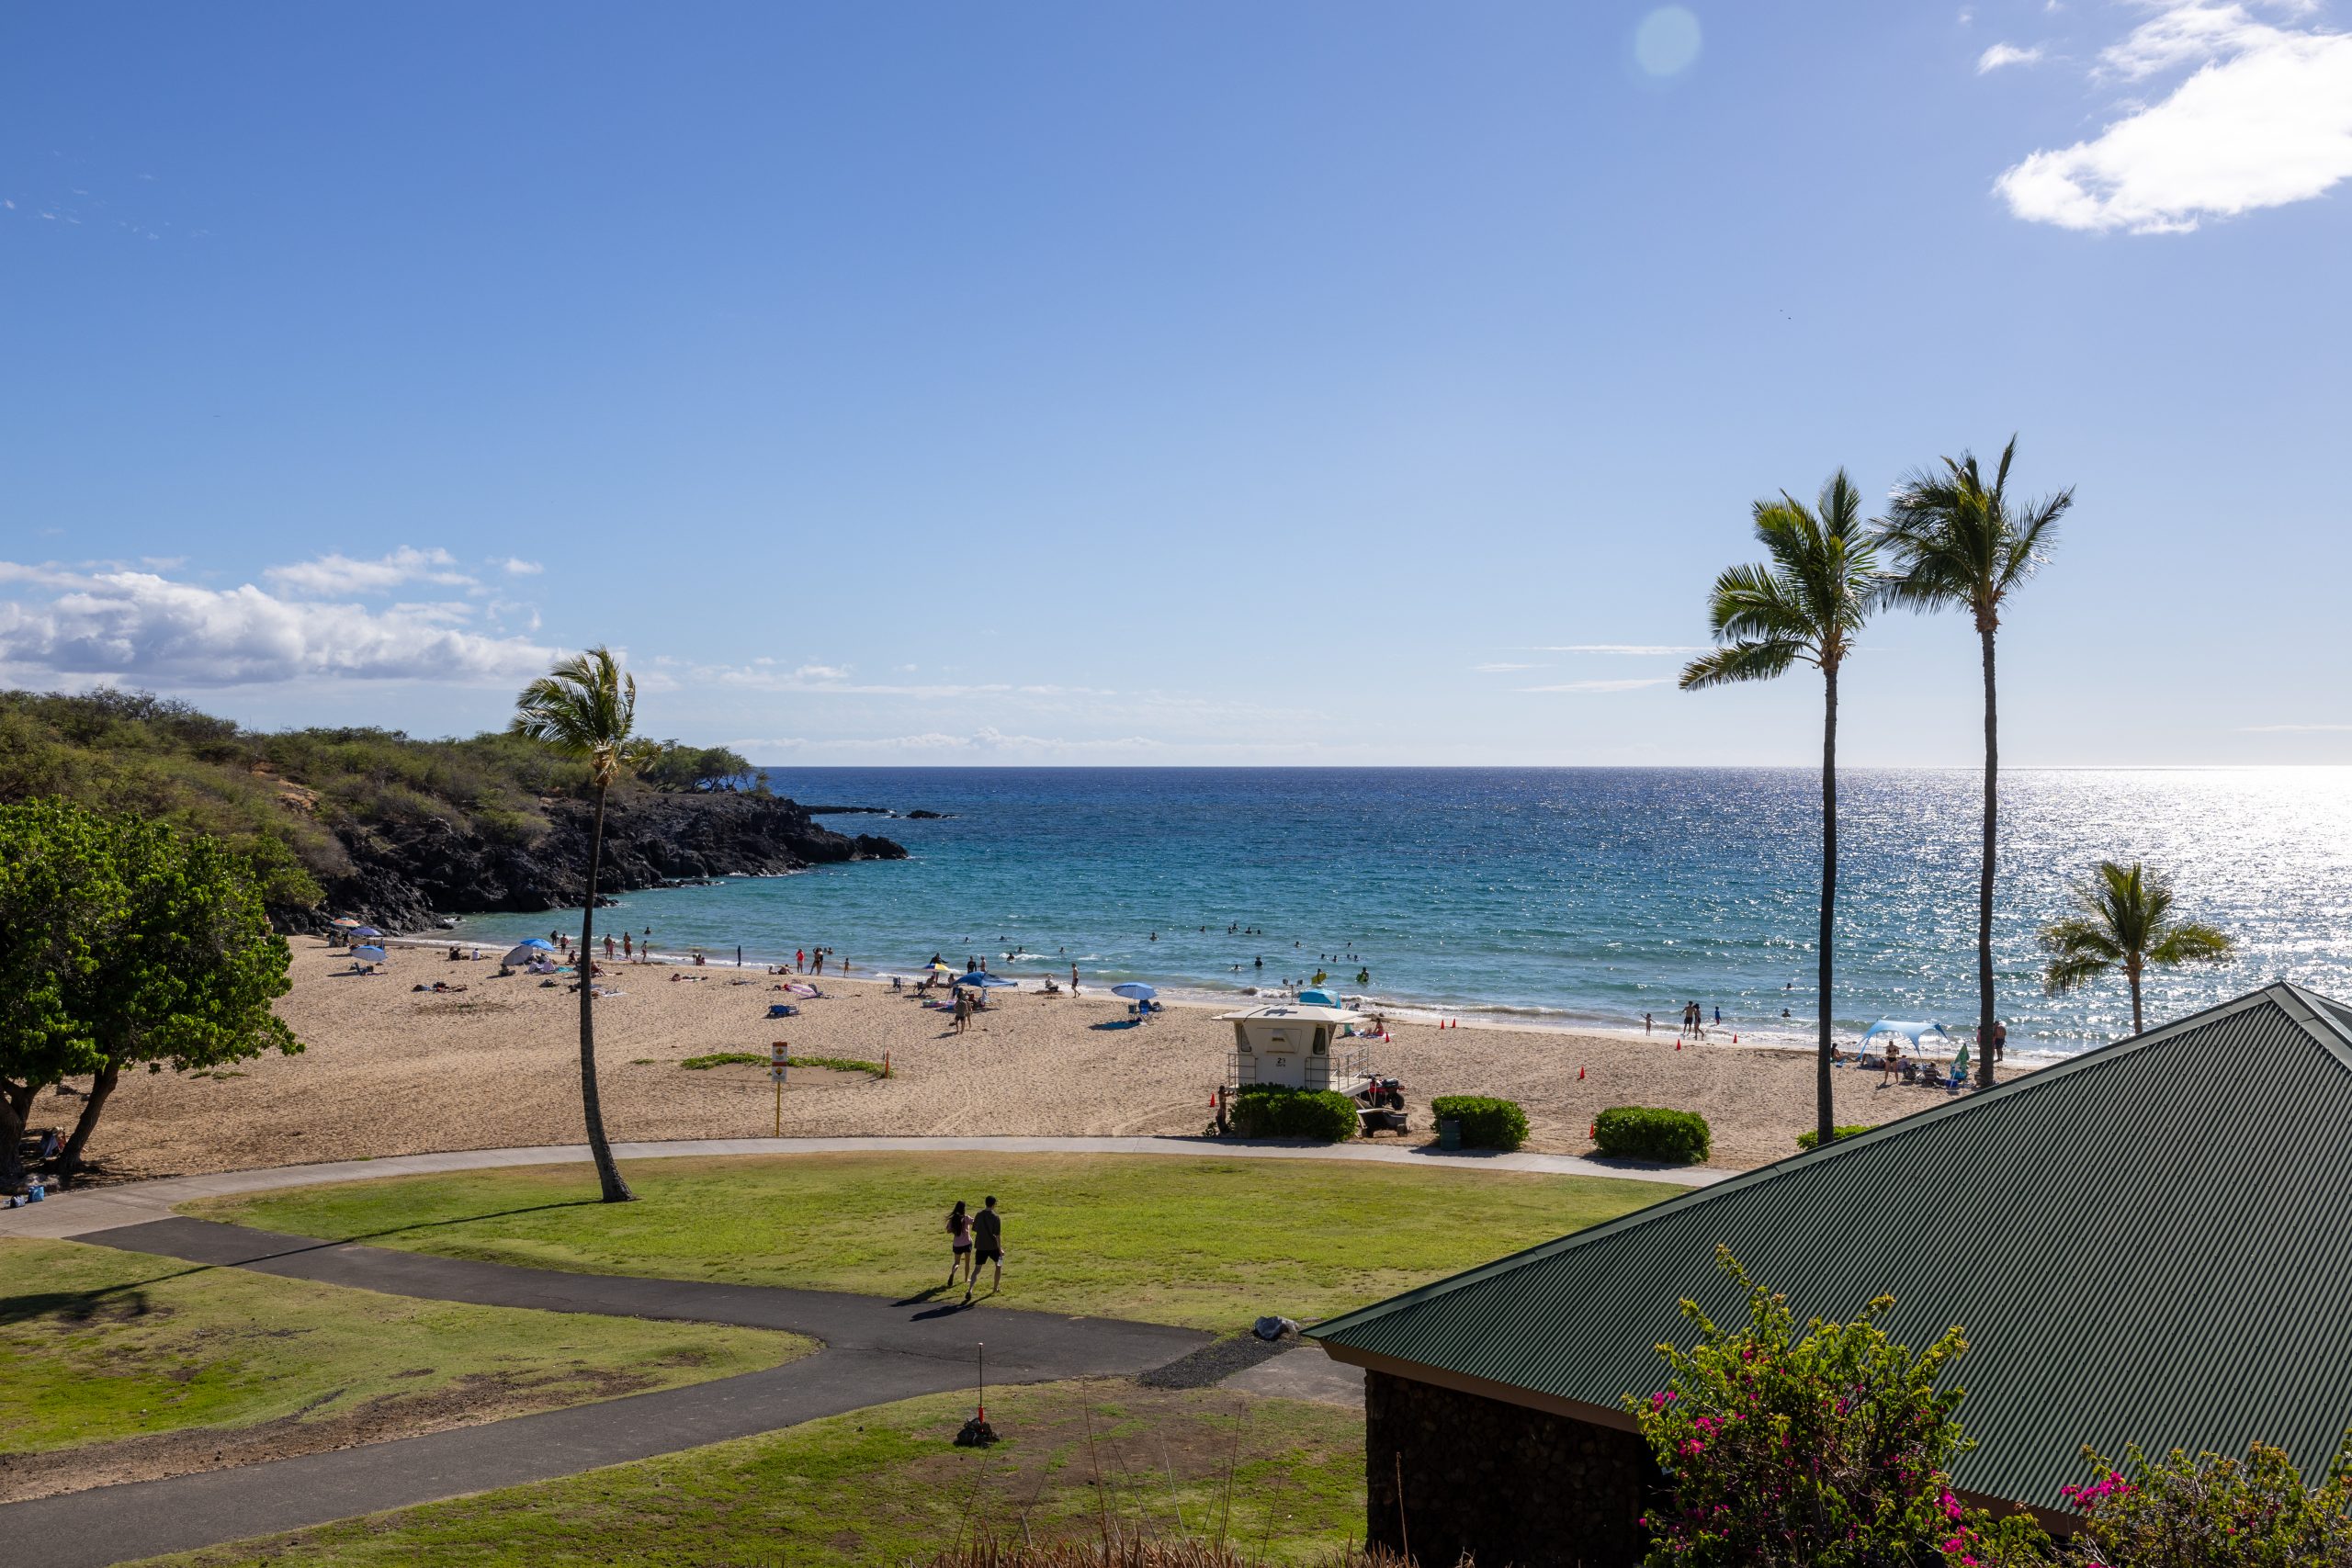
[365, 930]
[1134, 991]
[981, 977]
[537, 942]
[368, 955]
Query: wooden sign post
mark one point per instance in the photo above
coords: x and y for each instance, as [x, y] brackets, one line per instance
[776, 1064]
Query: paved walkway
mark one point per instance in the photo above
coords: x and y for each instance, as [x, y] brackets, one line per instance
[875, 1351]
[103, 1208]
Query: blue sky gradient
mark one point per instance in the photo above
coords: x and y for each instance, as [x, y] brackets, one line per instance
[1203, 383]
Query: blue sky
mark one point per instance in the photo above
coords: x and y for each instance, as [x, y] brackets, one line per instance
[1200, 383]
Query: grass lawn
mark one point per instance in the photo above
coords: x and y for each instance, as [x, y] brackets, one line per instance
[1202, 1242]
[886, 1486]
[98, 1344]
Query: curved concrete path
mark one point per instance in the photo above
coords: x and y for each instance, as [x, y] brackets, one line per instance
[84, 1213]
[874, 1352]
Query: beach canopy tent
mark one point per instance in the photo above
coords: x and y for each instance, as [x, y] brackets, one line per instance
[1134, 991]
[368, 955]
[1317, 999]
[1909, 1031]
[2191, 1323]
[981, 977]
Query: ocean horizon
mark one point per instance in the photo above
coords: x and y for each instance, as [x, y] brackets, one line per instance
[1572, 897]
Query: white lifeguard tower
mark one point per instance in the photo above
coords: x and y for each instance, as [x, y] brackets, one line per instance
[1297, 1046]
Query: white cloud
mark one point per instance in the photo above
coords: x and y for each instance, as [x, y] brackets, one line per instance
[137, 625]
[514, 566]
[336, 573]
[2002, 54]
[1642, 649]
[2264, 119]
[1600, 686]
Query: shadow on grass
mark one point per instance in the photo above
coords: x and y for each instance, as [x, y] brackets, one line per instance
[320, 1244]
[109, 1303]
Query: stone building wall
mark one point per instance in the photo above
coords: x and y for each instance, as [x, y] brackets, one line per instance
[1513, 1488]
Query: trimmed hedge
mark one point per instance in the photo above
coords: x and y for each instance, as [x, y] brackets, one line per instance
[1812, 1135]
[1652, 1132]
[1272, 1111]
[1487, 1124]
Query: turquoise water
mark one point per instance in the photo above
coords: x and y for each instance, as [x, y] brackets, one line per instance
[1554, 895]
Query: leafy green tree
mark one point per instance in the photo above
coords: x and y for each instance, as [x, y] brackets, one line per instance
[55, 890]
[2126, 923]
[585, 707]
[1825, 1447]
[1803, 606]
[186, 965]
[1962, 544]
[126, 942]
[676, 767]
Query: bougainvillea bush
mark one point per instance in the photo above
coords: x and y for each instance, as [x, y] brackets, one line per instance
[1828, 1447]
[2211, 1512]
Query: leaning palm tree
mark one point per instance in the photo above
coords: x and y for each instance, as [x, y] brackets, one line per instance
[2126, 923]
[1801, 607]
[585, 707]
[1962, 544]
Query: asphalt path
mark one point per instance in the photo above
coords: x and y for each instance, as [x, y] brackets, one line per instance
[875, 1351]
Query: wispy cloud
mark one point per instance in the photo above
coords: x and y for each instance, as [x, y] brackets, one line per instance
[337, 574]
[2002, 54]
[1638, 650]
[1600, 686]
[514, 566]
[2264, 118]
[140, 625]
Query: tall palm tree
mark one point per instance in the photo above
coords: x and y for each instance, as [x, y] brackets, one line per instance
[1962, 544]
[1803, 606]
[585, 707]
[2126, 923]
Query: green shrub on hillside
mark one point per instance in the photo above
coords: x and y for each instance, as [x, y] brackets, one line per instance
[1812, 1135]
[1487, 1124]
[1652, 1132]
[1271, 1111]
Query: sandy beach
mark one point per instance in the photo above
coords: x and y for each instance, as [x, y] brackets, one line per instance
[388, 1070]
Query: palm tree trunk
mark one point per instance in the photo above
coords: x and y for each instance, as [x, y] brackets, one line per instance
[1985, 1020]
[1825, 1098]
[608, 1174]
[2131, 973]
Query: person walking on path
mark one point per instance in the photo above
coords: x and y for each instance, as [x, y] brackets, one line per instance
[959, 1247]
[988, 1227]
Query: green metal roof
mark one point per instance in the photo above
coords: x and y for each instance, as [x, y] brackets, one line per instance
[2150, 1242]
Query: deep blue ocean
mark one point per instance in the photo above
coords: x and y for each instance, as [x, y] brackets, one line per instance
[1547, 895]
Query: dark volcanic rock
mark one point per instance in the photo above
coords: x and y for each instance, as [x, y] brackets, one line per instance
[922, 816]
[401, 874]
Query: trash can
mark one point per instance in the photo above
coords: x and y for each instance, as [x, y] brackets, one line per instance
[1449, 1135]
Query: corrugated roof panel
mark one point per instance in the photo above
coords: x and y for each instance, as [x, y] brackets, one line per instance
[2152, 1243]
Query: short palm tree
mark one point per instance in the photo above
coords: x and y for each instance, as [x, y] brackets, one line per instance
[1803, 606]
[1961, 544]
[2126, 923]
[585, 707]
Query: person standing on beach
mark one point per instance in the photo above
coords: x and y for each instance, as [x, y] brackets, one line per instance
[1073, 979]
[2000, 1040]
[987, 1230]
[608, 947]
[1649, 1023]
[628, 939]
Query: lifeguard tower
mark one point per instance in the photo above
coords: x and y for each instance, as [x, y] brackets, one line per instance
[1310, 1045]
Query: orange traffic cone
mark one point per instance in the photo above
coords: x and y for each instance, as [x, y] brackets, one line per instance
[1678, 1043]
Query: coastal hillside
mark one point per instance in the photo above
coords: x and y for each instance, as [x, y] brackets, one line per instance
[376, 824]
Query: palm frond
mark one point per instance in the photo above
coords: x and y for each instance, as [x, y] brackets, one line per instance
[1740, 661]
[2193, 943]
[584, 707]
